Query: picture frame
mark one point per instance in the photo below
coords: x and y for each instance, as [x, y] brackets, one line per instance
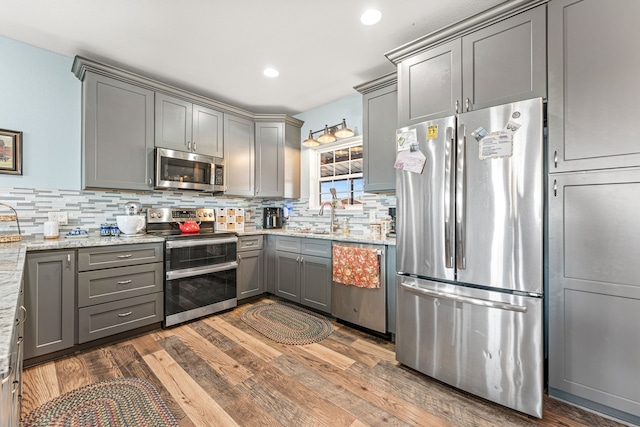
[10, 152]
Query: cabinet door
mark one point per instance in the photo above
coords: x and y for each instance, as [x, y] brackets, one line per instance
[315, 282]
[50, 302]
[594, 293]
[430, 84]
[250, 274]
[207, 131]
[239, 156]
[270, 159]
[380, 120]
[287, 278]
[118, 134]
[173, 123]
[593, 84]
[505, 62]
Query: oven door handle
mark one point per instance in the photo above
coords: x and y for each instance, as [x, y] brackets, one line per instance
[198, 271]
[188, 243]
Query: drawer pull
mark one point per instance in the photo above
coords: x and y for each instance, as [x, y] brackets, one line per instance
[125, 314]
[124, 282]
[8, 376]
[24, 316]
[250, 243]
[16, 386]
[20, 341]
[124, 256]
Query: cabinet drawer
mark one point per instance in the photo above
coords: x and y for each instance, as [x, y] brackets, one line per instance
[289, 244]
[97, 287]
[118, 256]
[317, 247]
[249, 243]
[102, 320]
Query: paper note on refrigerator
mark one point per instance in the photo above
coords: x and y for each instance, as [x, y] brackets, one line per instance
[404, 140]
[410, 161]
[496, 145]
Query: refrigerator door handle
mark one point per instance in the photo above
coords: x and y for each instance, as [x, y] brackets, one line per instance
[449, 197]
[461, 197]
[463, 299]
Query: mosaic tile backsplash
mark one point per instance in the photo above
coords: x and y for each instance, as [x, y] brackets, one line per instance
[89, 209]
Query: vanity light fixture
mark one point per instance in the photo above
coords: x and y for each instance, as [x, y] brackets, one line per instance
[331, 134]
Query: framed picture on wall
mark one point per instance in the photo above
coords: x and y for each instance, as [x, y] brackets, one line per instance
[10, 152]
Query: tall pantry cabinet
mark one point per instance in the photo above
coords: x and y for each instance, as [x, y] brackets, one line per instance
[593, 189]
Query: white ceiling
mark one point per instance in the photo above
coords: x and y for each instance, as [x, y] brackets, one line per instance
[219, 48]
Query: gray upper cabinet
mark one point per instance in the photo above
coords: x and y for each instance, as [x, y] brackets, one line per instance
[50, 302]
[430, 84]
[117, 137]
[239, 154]
[184, 126]
[593, 84]
[277, 156]
[499, 63]
[380, 121]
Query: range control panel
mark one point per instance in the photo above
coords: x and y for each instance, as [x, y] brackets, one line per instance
[159, 215]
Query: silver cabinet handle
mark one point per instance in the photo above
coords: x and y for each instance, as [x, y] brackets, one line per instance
[302, 260]
[124, 282]
[467, 104]
[150, 181]
[555, 188]
[189, 145]
[555, 159]
[463, 299]
[125, 314]
[239, 259]
[297, 259]
[68, 260]
[20, 341]
[124, 256]
[24, 316]
[16, 386]
[250, 243]
[9, 373]
[457, 105]
[194, 146]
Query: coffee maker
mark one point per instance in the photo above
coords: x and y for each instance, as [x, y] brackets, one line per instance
[273, 218]
[392, 228]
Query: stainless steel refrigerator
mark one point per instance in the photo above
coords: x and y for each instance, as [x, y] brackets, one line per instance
[470, 254]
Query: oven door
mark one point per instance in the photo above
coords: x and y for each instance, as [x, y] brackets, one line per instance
[200, 278]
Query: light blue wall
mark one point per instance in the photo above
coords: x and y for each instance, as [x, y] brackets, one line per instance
[349, 108]
[40, 96]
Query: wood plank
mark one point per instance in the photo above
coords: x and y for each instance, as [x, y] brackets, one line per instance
[215, 337]
[202, 409]
[333, 357]
[72, 373]
[247, 413]
[100, 365]
[264, 351]
[40, 384]
[214, 357]
[378, 351]
[145, 344]
[351, 352]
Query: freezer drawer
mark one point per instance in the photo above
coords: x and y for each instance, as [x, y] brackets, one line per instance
[487, 343]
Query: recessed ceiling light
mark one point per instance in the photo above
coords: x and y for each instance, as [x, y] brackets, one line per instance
[371, 17]
[270, 72]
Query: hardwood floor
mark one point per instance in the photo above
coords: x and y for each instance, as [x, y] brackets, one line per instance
[217, 371]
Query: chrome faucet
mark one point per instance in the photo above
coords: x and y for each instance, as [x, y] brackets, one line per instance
[334, 205]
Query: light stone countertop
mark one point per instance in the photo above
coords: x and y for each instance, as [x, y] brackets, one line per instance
[13, 258]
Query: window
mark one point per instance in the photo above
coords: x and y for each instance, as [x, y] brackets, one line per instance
[341, 168]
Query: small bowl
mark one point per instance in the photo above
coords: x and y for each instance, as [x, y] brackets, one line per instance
[130, 224]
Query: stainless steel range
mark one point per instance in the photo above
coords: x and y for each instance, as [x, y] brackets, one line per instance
[200, 263]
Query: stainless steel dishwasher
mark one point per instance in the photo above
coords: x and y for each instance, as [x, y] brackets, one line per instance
[366, 307]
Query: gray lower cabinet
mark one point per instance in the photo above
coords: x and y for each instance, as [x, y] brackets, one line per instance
[50, 302]
[120, 288]
[594, 293]
[11, 382]
[277, 156]
[251, 266]
[184, 126]
[239, 155]
[117, 139]
[593, 84]
[500, 63]
[380, 121]
[303, 271]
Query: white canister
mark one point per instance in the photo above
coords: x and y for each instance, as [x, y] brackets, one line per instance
[51, 229]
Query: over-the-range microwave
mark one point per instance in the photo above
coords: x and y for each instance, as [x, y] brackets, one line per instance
[188, 171]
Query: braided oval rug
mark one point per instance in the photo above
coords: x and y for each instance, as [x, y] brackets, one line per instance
[287, 324]
[117, 402]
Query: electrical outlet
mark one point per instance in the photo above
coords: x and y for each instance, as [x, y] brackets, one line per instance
[61, 217]
[247, 216]
[372, 216]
